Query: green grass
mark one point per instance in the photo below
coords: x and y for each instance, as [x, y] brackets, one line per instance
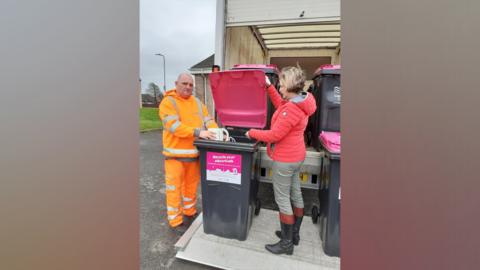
[149, 119]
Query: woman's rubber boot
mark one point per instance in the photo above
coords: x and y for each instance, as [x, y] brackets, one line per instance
[296, 231]
[296, 226]
[285, 245]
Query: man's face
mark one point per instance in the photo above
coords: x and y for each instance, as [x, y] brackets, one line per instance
[184, 86]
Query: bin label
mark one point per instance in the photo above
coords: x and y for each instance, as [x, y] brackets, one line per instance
[224, 167]
[337, 94]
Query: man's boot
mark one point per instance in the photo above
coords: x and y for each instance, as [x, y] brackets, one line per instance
[188, 220]
[285, 245]
[179, 230]
[296, 226]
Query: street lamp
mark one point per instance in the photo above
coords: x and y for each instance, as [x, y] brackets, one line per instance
[164, 79]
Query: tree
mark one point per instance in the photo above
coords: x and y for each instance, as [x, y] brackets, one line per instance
[154, 91]
[148, 99]
[160, 96]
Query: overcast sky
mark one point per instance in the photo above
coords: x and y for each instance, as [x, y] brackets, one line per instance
[182, 30]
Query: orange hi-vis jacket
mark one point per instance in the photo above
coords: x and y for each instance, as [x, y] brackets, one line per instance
[182, 121]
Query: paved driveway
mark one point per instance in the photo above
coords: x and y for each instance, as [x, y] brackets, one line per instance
[156, 238]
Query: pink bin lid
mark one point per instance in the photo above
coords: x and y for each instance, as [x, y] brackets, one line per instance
[240, 97]
[330, 66]
[327, 69]
[271, 67]
[331, 141]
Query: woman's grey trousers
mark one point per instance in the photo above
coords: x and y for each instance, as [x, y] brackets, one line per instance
[286, 186]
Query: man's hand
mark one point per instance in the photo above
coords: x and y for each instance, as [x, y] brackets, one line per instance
[247, 135]
[267, 81]
[205, 134]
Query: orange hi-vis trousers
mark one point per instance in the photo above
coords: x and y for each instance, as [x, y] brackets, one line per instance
[182, 179]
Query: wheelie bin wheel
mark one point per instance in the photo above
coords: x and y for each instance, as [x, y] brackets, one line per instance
[258, 205]
[315, 214]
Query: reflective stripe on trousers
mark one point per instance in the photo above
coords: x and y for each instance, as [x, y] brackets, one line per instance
[181, 179]
[188, 203]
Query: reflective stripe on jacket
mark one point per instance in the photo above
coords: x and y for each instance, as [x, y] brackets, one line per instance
[181, 117]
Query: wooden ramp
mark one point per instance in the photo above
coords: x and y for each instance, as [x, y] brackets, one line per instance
[196, 246]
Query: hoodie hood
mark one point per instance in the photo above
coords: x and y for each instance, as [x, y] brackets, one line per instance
[171, 92]
[306, 102]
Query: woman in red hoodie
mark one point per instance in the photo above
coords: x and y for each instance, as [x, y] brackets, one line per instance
[286, 147]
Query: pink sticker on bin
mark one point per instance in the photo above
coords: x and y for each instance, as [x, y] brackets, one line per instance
[224, 167]
[331, 141]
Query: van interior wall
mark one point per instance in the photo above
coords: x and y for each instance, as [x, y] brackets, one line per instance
[334, 54]
[242, 47]
[308, 59]
[338, 59]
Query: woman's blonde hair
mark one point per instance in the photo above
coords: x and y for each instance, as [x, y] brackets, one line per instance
[293, 78]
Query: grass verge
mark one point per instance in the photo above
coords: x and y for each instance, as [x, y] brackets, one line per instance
[149, 119]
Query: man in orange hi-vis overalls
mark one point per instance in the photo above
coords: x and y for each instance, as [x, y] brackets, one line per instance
[184, 118]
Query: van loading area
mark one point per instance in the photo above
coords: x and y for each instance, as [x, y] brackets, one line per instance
[219, 252]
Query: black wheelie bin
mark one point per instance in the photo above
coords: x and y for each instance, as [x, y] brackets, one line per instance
[229, 169]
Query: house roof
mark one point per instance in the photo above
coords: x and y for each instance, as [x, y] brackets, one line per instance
[206, 63]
